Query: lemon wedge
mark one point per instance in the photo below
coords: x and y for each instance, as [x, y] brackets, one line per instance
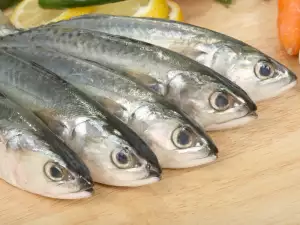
[136, 8]
[175, 12]
[28, 14]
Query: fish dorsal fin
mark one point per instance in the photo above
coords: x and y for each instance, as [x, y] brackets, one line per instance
[12, 143]
[113, 107]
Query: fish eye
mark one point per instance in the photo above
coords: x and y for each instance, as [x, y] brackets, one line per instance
[54, 171]
[123, 159]
[183, 137]
[264, 70]
[220, 101]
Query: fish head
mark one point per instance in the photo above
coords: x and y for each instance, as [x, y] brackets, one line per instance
[110, 158]
[259, 75]
[45, 166]
[179, 145]
[215, 104]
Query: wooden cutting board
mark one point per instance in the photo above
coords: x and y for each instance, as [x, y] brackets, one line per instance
[256, 180]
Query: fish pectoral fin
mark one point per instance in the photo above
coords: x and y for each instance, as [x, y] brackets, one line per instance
[16, 141]
[113, 107]
[13, 144]
[48, 117]
[191, 51]
[148, 82]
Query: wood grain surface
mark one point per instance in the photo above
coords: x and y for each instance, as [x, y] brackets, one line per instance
[256, 179]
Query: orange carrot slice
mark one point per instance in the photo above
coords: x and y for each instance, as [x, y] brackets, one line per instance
[288, 24]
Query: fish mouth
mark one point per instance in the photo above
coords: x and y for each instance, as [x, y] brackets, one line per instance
[154, 175]
[86, 184]
[143, 182]
[293, 77]
[233, 123]
[213, 147]
[292, 84]
[153, 171]
[277, 92]
[86, 190]
[151, 157]
[189, 157]
[91, 190]
[195, 162]
[78, 195]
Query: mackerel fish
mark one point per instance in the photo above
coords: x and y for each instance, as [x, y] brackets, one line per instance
[202, 95]
[175, 141]
[33, 159]
[114, 154]
[261, 76]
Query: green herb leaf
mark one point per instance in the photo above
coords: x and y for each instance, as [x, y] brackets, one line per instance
[4, 4]
[227, 2]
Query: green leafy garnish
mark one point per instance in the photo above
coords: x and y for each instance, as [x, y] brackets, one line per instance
[227, 2]
[4, 4]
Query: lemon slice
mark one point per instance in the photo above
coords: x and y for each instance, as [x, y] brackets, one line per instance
[8, 12]
[69, 13]
[136, 8]
[28, 14]
[175, 12]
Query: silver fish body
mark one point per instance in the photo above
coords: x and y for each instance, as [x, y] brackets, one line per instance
[176, 142]
[32, 158]
[114, 154]
[259, 75]
[203, 95]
